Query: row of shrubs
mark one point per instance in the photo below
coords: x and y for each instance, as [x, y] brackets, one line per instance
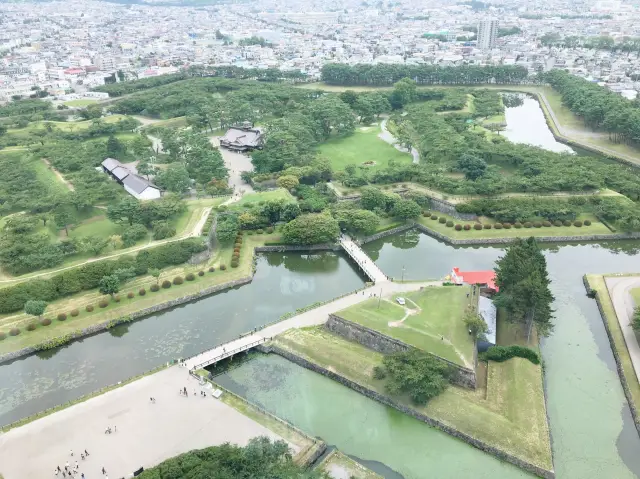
[103, 303]
[517, 225]
[88, 276]
[268, 230]
[237, 246]
[502, 353]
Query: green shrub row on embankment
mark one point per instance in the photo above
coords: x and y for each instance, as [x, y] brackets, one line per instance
[88, 276]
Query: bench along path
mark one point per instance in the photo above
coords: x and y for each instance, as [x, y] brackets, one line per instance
[313, 317]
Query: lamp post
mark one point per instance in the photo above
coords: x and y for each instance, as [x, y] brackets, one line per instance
[402, 280]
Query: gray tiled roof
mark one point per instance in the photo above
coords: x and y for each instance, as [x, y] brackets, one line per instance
[111, 163]
[136, 183]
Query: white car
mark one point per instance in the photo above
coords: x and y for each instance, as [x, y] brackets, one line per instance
[400, 301]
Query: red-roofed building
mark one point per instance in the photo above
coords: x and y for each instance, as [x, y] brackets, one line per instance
[485, 279]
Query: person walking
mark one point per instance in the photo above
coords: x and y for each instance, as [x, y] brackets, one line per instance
[104, 471]
[86, 453]
[71, 452]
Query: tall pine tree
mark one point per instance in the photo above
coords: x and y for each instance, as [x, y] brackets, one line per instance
[521, 275]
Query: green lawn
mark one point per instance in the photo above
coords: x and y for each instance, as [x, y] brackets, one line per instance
[509, 414]
[47, 177]
[431, 320]
[360, 147]
[64, 125]
[251, 198]
[98, 225]
[596, 227]
[635, 294]
[127, 306]
[80, 103]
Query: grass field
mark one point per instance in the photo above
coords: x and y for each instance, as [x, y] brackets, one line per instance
[597, 282]
[360, 147]
[48, 178]
[64, 125]
[252, 198]
[596, 227]
[80, 103]
[126, 306]
[431, 320]
[635, 294]
[509, 413]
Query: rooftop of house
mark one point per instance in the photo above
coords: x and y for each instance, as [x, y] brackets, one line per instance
[475, 277]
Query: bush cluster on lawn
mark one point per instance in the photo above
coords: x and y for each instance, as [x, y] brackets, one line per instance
[62, 317]
[74, 312]
[88, 276]
[14, 332]
[103, 303]
[419, 375]
[31, 327]
[142, 292]
[130, 295]
[45, 322]
[502, 353]
[89, 308]
[154, 287]
[190, 277]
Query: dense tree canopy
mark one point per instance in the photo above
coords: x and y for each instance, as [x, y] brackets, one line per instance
[260, 459]
[522, 277]
[311, 229]
[387, 74]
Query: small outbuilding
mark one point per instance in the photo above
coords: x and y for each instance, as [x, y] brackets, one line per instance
[245, 138]
[485, 279]
[135, 185]
[488, 313]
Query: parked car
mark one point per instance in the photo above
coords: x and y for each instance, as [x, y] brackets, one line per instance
[400, 301]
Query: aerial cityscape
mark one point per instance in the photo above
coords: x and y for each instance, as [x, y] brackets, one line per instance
[319, 240]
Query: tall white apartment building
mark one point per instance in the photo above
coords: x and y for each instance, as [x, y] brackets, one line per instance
[487, 34]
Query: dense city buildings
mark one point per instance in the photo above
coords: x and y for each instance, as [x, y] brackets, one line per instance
[67, 48]
[487, 34]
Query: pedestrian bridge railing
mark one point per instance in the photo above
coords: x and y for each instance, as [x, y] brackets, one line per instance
[227, 353]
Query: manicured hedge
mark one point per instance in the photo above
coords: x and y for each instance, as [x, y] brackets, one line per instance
[142, 292]
[537, 224]
[557, 223]
[154, 287]
[506, 226]
[190, 277]
[74, 312]
[517, 225]
[587, 222]
[467, 227]
[458, 227]
[211, 269]
[443, 220]
[178, 280]
[497, 226]
[222, 267]
[200, 273]
[117, 298]
[566, 223]
[62, 317]
[502, 353]
[166, 284]
[45, 322]
[14, 332]
[546, 223]
[434, 217]
[527, 224]
[31, 327]
[89, 308]
[577, 223]
[487, 227]
[477, 226]
[103, 303]
[449, 223]
[88, 276]
[130, 295]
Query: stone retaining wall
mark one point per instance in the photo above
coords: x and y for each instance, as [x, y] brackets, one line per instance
[284, 248]
[97, 328]
[616, 356]
[386, 345]
[450, 209]
[382, 234]
[544, 473]
[541, 239]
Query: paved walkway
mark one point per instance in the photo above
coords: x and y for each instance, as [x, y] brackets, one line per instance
[147, 434]
[236, 163]
[313, 317]
[386, 135]
[362, 259]
[620, 292]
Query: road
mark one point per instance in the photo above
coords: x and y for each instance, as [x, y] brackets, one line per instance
[620, 292]
[146, 435]
[386, 136]
[313, 317]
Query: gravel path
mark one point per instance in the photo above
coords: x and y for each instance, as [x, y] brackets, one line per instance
[620, 292]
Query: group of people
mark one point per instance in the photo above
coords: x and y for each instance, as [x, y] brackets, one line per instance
[183, 392]
[108, 430]
[71, 471]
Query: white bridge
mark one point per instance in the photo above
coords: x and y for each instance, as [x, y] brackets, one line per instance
[361, 258]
